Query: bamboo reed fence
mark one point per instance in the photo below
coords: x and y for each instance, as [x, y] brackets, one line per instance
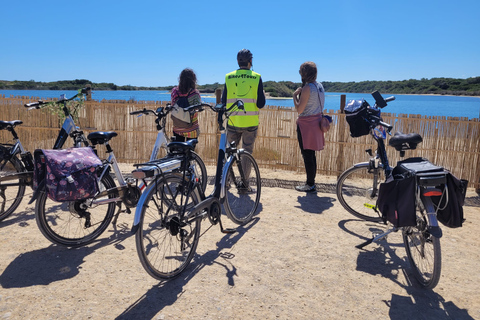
[453, 143]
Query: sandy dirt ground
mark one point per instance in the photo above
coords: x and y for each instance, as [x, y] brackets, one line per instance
[296, 260]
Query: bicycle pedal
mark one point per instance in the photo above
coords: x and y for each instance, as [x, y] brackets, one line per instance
[229, 230]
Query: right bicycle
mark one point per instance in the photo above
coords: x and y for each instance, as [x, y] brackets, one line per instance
[413, 196]
[170, 211]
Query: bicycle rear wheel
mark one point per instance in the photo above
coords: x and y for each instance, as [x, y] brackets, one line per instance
[200, 170]
[64, 223]
[165, 241]
[242, 191]
[357, 191]
[11, 190]
[423, 252]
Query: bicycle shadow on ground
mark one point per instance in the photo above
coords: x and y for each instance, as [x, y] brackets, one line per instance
[167, 292]
[381, 259]
[385, 262]
[55, 263]
[23, 218]
[312, 203]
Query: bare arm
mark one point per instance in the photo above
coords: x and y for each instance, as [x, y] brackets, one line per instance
[300, 98]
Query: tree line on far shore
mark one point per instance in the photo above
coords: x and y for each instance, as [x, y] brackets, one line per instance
[444, 86]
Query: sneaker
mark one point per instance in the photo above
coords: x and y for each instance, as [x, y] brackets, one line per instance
[306, 188]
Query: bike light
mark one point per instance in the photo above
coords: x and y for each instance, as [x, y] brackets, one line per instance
[139, 175]
[433, 193]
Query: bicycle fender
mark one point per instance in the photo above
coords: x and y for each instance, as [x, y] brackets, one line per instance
[224, 177]
[361, 164]
[140, 205]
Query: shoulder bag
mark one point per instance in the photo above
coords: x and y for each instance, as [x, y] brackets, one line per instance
[325, 120]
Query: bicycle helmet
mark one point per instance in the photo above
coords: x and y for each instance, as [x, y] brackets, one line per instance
[244, 56]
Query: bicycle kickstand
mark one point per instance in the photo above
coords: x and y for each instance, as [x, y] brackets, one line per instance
[226, 230]
[376, 238]
[115, 218]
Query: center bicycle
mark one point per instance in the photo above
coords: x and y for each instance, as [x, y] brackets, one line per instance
[170, 211]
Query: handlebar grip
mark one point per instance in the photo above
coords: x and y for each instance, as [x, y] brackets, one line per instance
[239, 104]
[135, 112]
[386, 125]
[389, 99]
[35, 104]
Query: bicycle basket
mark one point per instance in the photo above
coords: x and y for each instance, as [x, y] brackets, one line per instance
[357, 112]
[70, 174]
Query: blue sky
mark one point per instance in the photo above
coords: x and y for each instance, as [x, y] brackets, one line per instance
[148, 43]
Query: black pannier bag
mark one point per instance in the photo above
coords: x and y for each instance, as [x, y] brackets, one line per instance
[396, 201]
[451, 215]
[356, 113]
[449, 207]
[396, 198]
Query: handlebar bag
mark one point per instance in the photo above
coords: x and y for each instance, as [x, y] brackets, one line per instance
[396, 201]
[69, 174]
[356, 113]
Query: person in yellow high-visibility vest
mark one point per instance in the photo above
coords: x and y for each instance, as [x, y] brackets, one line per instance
[246, 85]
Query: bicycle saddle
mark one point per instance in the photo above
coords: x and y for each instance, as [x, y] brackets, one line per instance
[182, 147]
[6, 124]
[401, 141]
[100, 137]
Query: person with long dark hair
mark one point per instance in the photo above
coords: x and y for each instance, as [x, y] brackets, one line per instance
[309, 101]
[185, 126]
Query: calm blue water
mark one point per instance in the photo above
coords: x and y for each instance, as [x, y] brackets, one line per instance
[450, 106]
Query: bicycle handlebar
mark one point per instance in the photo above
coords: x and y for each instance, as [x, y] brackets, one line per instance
[197, 107]
[222, 107]
[144, 111]
[163, 111]
[37, 104]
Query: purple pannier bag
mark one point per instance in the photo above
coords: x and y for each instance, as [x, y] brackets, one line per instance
[70, 174]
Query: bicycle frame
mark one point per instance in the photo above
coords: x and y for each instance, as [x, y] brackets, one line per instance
[160, 142]
[67, 128]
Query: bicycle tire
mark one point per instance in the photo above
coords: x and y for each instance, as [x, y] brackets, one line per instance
[200, 170]
[12, 191]
[166, 248]
[62, 224]
[241, 199]
[423, 252]
[357, 191]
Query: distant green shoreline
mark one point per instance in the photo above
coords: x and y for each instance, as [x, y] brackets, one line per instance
[283, 89]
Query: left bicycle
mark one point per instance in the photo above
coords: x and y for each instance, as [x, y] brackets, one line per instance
[16, 163]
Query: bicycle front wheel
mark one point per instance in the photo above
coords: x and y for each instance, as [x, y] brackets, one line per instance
[423, 252]
[67, 224]
[242, 188]
[12, 189]
[357, 191]
[165, 240]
